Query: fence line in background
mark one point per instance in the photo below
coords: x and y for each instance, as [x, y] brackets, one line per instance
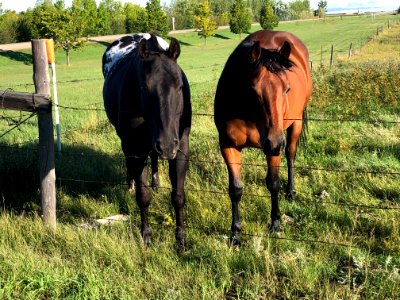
[375, 33]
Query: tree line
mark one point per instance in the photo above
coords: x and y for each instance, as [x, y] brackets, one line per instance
[88, 18]
[68, 26]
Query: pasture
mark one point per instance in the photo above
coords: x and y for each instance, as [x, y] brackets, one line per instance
[341, 235]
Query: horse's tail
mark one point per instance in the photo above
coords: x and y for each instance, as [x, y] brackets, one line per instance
[304, 130]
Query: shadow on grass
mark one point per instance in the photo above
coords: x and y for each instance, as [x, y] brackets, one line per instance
[80, 172]
[105, 44]
[180, 42]
[23, 57]
[220, 36]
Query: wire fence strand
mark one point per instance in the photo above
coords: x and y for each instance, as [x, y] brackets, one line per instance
[245, 195]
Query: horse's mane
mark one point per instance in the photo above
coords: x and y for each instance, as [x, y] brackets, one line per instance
[274, 61]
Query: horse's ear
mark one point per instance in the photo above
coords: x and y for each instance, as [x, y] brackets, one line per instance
[255, 51]
[174, 49]
[285, 50]
[144, 51]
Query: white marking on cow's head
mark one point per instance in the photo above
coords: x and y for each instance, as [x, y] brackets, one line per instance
[123, 47]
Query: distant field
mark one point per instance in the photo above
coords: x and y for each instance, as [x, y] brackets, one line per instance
[341, 236]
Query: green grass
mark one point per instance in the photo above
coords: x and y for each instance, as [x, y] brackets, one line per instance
[111, 263]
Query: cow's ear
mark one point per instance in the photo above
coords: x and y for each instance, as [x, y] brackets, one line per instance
[144, 51]
[255, 52]
[174, 49]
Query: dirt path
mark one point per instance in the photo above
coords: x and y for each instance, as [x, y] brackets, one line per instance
[27, 45]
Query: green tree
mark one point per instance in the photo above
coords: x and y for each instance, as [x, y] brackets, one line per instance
[203, 21]
[322, 6]
[183, 12]
[240, 18]
[111, 17]
[221, 10]
[135, 18]
[8, 27]
[282, 10]
[268, 19]
[300, 9]
[256, 8]
[157, 19]
[86, 11]
[103, 23]
[26, 30]
[58, 23]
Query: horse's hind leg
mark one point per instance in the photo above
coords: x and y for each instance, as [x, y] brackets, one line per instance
[177, 173]
[232, 159]
[293, 133]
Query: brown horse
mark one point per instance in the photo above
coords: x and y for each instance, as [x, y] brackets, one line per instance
[263, 90]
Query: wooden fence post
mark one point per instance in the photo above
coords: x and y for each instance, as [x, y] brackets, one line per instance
[321, 56]
[350, 50]
[41, 80]
[331, 63]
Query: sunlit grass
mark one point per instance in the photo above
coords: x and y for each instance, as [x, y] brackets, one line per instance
[334, 246]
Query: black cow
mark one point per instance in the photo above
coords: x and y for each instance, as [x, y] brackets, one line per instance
[147, 99]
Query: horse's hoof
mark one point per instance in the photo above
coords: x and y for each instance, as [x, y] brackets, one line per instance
[234, 241]
[155, 185]
[181, 246]
[146, 236]
[180, 236]
[131, 186]
[290, 195]
[276, 228]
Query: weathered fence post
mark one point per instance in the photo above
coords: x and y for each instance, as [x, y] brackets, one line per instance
[350, 50]
[41, 80]
[331, 63]
[321, 56]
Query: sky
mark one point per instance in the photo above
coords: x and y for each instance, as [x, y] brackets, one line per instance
[22, 5]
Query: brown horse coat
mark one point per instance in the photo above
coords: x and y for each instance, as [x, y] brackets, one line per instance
[263, 90]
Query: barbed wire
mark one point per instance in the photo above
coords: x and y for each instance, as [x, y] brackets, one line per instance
[244, 195]
[198, 161]
[18, 125]
[60, 82]
[343, 120]
[227, 233]
[14, 122]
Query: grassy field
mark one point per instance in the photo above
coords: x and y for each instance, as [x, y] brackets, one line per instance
[341, 236]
